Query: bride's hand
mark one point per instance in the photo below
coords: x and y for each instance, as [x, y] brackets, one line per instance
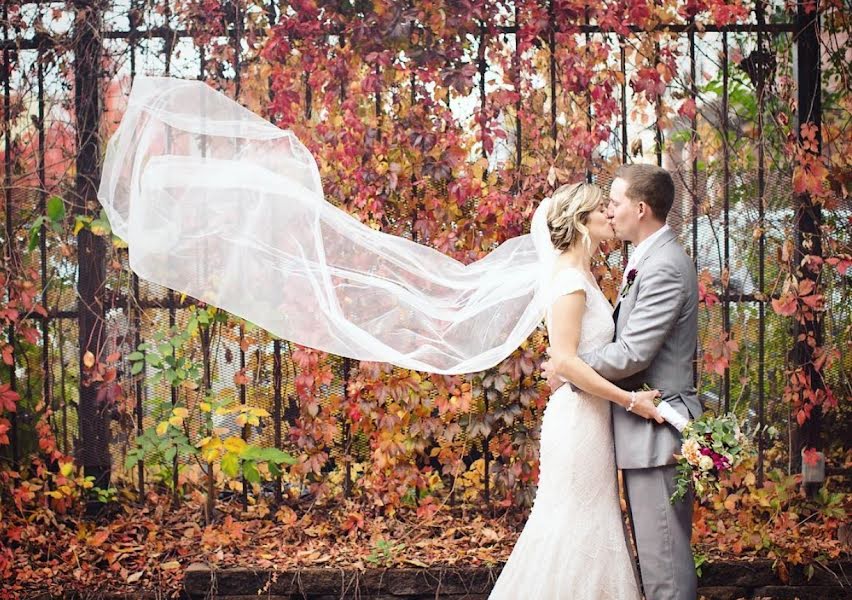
[645, 407]
[548, 371]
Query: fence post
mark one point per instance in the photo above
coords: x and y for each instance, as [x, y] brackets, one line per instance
[93, 414]
[808, 214]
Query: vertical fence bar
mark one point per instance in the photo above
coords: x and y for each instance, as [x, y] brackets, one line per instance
[246, 427]
[693, 138]
[42, 209]
[272, 15]
[808, 214]
[10, 232]
[238, 28]
[726, 198]
[658, 104]
[168, 46]
[483, 68]
[589, 175]
[237, 40]
[516, 59]
[551, 46]
[347, 432]
[624, 150]
[276, 408]
[133, 22]
[761, 189]
[623, 65]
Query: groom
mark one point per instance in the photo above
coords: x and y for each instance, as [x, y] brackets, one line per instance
[656, 330]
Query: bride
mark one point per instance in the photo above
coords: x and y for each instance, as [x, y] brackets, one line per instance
[573, 544]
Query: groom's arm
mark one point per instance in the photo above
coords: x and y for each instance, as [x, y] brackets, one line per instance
[658, 304]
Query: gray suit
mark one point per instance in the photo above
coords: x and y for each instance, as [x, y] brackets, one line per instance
[656, 333]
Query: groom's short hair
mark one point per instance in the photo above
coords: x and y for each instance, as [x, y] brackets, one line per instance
[650, 184]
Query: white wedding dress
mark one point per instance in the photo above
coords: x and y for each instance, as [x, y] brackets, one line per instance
[573, 545]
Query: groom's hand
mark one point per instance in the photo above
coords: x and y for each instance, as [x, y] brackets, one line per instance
[645, 406]
[548, 371]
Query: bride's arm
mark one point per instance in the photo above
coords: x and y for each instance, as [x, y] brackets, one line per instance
[568, 312]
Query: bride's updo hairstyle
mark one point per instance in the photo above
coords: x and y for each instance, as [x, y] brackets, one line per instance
[569, 210]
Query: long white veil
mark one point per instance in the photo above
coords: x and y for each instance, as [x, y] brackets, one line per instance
[218, 203]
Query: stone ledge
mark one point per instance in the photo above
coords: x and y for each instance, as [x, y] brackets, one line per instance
[722, 580]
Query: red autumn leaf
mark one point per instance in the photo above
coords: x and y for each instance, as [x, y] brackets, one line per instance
[842, 262]
[809, 175]
[785, 306]
[31, 334]
[687, 109]
[8, 398]
[811, 456]
[815, 301]
[8, 354]
[99, 538]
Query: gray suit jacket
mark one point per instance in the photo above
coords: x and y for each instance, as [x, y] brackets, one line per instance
[656, 333]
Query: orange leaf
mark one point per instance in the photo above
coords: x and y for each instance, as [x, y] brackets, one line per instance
[99, 538]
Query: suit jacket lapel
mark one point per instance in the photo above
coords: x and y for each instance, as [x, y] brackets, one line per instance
[664, 239]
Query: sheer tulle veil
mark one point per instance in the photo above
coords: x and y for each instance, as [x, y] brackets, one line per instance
[216, 202]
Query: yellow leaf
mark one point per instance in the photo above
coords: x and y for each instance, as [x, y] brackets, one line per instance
[259, 412]
[54, 494]
[203, 442]
[88, 359]
[180, 412]
[176, 421]
[67, 469]
[235, 445]
[205, 406]
[171, 565]
[241, 420]
[162, 428]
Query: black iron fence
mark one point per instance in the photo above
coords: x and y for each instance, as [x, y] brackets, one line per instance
[728, 211]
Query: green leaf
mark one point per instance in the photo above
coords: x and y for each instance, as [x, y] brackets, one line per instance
[55, 209]
[137, 368]
[250, 472]
[135, 356]
[271, 455]
[131, 460]
[230, 464]
[35, 231]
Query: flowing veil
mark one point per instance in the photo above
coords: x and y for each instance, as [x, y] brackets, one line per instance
[216, 202]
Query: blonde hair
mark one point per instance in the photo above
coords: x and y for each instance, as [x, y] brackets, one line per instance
[569, 211]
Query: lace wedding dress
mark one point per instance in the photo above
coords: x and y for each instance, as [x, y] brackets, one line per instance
[573, 545]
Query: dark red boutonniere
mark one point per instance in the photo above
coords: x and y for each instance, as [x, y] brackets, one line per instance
[631, 277]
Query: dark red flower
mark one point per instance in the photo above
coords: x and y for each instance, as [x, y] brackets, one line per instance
[631, 275]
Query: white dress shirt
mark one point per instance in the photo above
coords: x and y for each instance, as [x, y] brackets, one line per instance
[642, 248]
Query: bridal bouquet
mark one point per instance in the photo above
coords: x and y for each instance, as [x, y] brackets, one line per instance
[711, 446]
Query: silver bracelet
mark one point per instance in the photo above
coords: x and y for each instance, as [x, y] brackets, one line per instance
[632, 402]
